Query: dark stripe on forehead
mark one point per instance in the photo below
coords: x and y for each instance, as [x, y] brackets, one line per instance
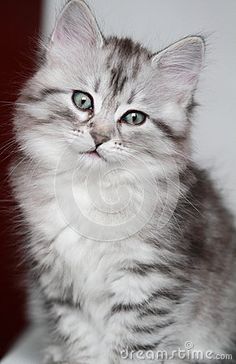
[127, 48]
[124, 54]
[97, 85]
[118, 79]
[131, 98]
[114, 75]
[122, 83]
[136, 67]
[109, 61]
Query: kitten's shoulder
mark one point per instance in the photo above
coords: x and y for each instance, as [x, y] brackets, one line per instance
[203, 193]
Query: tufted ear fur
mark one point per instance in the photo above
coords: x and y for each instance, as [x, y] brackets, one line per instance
[180, 65]
[76, 25]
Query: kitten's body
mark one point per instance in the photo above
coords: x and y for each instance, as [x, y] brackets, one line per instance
[132, 250]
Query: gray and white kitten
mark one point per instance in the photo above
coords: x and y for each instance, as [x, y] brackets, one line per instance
[130, 247]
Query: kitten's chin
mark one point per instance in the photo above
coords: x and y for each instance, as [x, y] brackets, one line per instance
[91, 159]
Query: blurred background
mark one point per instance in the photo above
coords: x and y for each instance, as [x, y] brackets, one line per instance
[156, 23]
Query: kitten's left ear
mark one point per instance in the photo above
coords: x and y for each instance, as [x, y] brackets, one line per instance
[76, 25]
[180, 65]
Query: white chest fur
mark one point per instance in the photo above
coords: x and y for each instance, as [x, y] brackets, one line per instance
[105, 208]
[91, 238]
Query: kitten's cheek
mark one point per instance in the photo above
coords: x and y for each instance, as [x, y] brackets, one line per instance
[81, 142]
[111, 153]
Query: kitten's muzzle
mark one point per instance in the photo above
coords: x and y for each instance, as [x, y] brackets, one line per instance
[99, 138]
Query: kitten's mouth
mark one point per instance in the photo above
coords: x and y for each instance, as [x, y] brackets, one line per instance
[93, 154]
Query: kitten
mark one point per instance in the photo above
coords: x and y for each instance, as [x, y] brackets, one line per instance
[130, 247]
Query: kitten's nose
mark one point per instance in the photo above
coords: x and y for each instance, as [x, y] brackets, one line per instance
[99, 138]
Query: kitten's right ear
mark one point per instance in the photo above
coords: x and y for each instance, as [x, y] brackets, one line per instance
[180, 65]
[76, 25]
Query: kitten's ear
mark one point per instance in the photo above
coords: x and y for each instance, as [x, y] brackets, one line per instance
[180, 65]
[76, 23]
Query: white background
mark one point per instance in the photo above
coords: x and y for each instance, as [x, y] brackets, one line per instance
[159, 22]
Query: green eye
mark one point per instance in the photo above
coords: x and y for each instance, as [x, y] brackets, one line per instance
[82, 100]
[134, 117]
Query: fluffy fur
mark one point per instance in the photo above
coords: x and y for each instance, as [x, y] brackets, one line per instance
[130, 248]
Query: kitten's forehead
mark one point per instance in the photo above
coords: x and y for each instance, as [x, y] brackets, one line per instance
[127, 51]
[123, 64]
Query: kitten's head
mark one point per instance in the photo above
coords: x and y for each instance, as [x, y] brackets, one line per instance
[108, 101]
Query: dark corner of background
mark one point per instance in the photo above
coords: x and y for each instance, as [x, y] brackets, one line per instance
[19, 29]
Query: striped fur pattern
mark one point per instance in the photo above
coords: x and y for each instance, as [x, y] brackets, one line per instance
[130, 247]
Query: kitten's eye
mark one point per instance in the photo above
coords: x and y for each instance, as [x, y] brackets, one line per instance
[82, 100]
[134, 117]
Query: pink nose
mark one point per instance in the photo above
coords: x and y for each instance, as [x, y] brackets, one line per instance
[99, 137]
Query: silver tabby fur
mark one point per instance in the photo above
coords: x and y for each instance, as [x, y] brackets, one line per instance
[132, 250]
